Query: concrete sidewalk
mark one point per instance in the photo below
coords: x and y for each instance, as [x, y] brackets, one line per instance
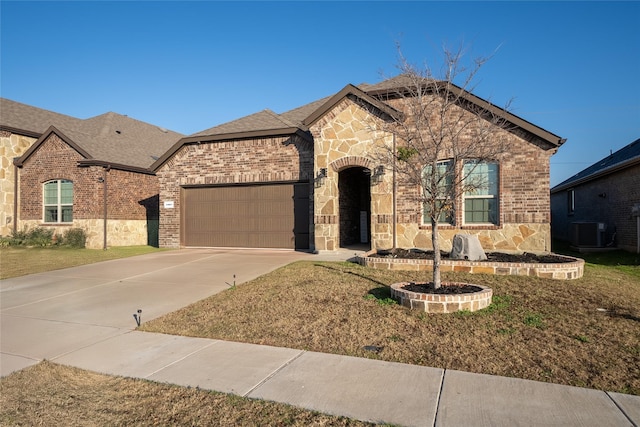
[82, 317]
[364, 389]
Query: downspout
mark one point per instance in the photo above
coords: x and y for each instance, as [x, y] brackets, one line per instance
[15, 199]
[393, 194]
[104, 205]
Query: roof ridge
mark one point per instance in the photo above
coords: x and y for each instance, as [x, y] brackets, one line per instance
[281, 118]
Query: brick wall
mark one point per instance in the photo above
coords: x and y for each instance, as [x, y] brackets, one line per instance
[608, 200]
[281, 159]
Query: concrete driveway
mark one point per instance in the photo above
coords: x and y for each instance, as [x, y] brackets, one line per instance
[47, 315]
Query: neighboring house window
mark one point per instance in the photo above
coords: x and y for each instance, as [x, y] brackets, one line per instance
[58, 201]
[571, 201]
[480, 201]
[444, 178]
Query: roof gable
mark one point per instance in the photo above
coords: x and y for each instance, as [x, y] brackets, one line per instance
[625, 157]
[399, 85]
[51, 131]
[345, 92]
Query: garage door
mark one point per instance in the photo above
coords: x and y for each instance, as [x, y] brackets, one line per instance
[255, 216]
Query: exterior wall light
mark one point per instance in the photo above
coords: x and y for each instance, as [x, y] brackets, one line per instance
[320, 177]
[378, 174]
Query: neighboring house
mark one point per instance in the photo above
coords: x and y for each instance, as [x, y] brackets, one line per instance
[308, 179]
[599, 206]
[71, 173]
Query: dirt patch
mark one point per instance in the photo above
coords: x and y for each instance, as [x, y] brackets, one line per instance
[525, 257]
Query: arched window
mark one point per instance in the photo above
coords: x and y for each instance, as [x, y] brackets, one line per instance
[58, 201]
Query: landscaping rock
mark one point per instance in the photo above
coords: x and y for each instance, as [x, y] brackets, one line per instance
[466, 246]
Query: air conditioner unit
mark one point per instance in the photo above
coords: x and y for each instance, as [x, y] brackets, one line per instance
[588, 234]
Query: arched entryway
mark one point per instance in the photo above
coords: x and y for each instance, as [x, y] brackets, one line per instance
[354, 191]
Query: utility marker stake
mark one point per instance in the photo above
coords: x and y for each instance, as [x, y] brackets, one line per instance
[234, 282]
[138, 316]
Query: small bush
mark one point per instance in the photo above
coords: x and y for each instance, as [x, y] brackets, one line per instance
[75, 238]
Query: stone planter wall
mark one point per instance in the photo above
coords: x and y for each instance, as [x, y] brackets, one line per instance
[559, 271]
[438, 303]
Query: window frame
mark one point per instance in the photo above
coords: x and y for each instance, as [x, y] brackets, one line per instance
[61, 208]
[571, 201]
[491, 184]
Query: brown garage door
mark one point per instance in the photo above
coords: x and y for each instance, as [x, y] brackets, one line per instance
[255, 216]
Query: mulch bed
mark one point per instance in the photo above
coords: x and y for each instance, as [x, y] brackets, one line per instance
[445, 289]
[491, 256]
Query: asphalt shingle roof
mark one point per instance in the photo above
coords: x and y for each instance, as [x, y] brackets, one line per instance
[109, 137]
[623, 155]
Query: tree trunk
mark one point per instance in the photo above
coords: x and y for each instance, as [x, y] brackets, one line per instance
[437, 282]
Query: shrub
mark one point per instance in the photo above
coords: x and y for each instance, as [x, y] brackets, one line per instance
[39, 237]
[75, 238]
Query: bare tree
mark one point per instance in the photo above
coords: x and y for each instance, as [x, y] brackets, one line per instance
[445, 137]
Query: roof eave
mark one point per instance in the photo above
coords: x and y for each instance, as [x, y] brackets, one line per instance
[18, 131]
[235, 136]
[111, 165]
[598, 174]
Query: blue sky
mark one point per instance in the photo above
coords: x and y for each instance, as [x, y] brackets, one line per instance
[572, 68]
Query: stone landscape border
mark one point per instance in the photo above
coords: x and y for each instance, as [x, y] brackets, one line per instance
[559, 271]
[442, 303]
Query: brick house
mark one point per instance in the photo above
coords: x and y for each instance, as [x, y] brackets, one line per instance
[308, 179]
[599, 206]
[91, 174]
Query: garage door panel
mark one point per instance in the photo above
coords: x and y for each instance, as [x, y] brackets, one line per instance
[264, 216]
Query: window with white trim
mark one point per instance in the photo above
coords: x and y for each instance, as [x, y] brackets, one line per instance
[58, 201]
[444, 179]
[480, 201]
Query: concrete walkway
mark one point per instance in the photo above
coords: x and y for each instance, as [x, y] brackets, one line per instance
[83, 317]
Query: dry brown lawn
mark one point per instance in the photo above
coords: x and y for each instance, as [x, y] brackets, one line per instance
[18, 260]
[49, 395]
[537, 329]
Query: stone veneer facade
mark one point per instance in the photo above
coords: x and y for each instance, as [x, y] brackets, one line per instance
[345, 138]
[12, 145]
[132, 197]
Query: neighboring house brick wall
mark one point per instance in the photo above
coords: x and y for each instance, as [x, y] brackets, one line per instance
[621, 190]
[12, 145]
[132, 197]
[281, 159]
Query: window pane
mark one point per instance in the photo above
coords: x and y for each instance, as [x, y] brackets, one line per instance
[483, 177]
[51, 214]
[51, 193]
[481, 211]
[66, 192]
[67, 214]
[443, 177]
[446, 215]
